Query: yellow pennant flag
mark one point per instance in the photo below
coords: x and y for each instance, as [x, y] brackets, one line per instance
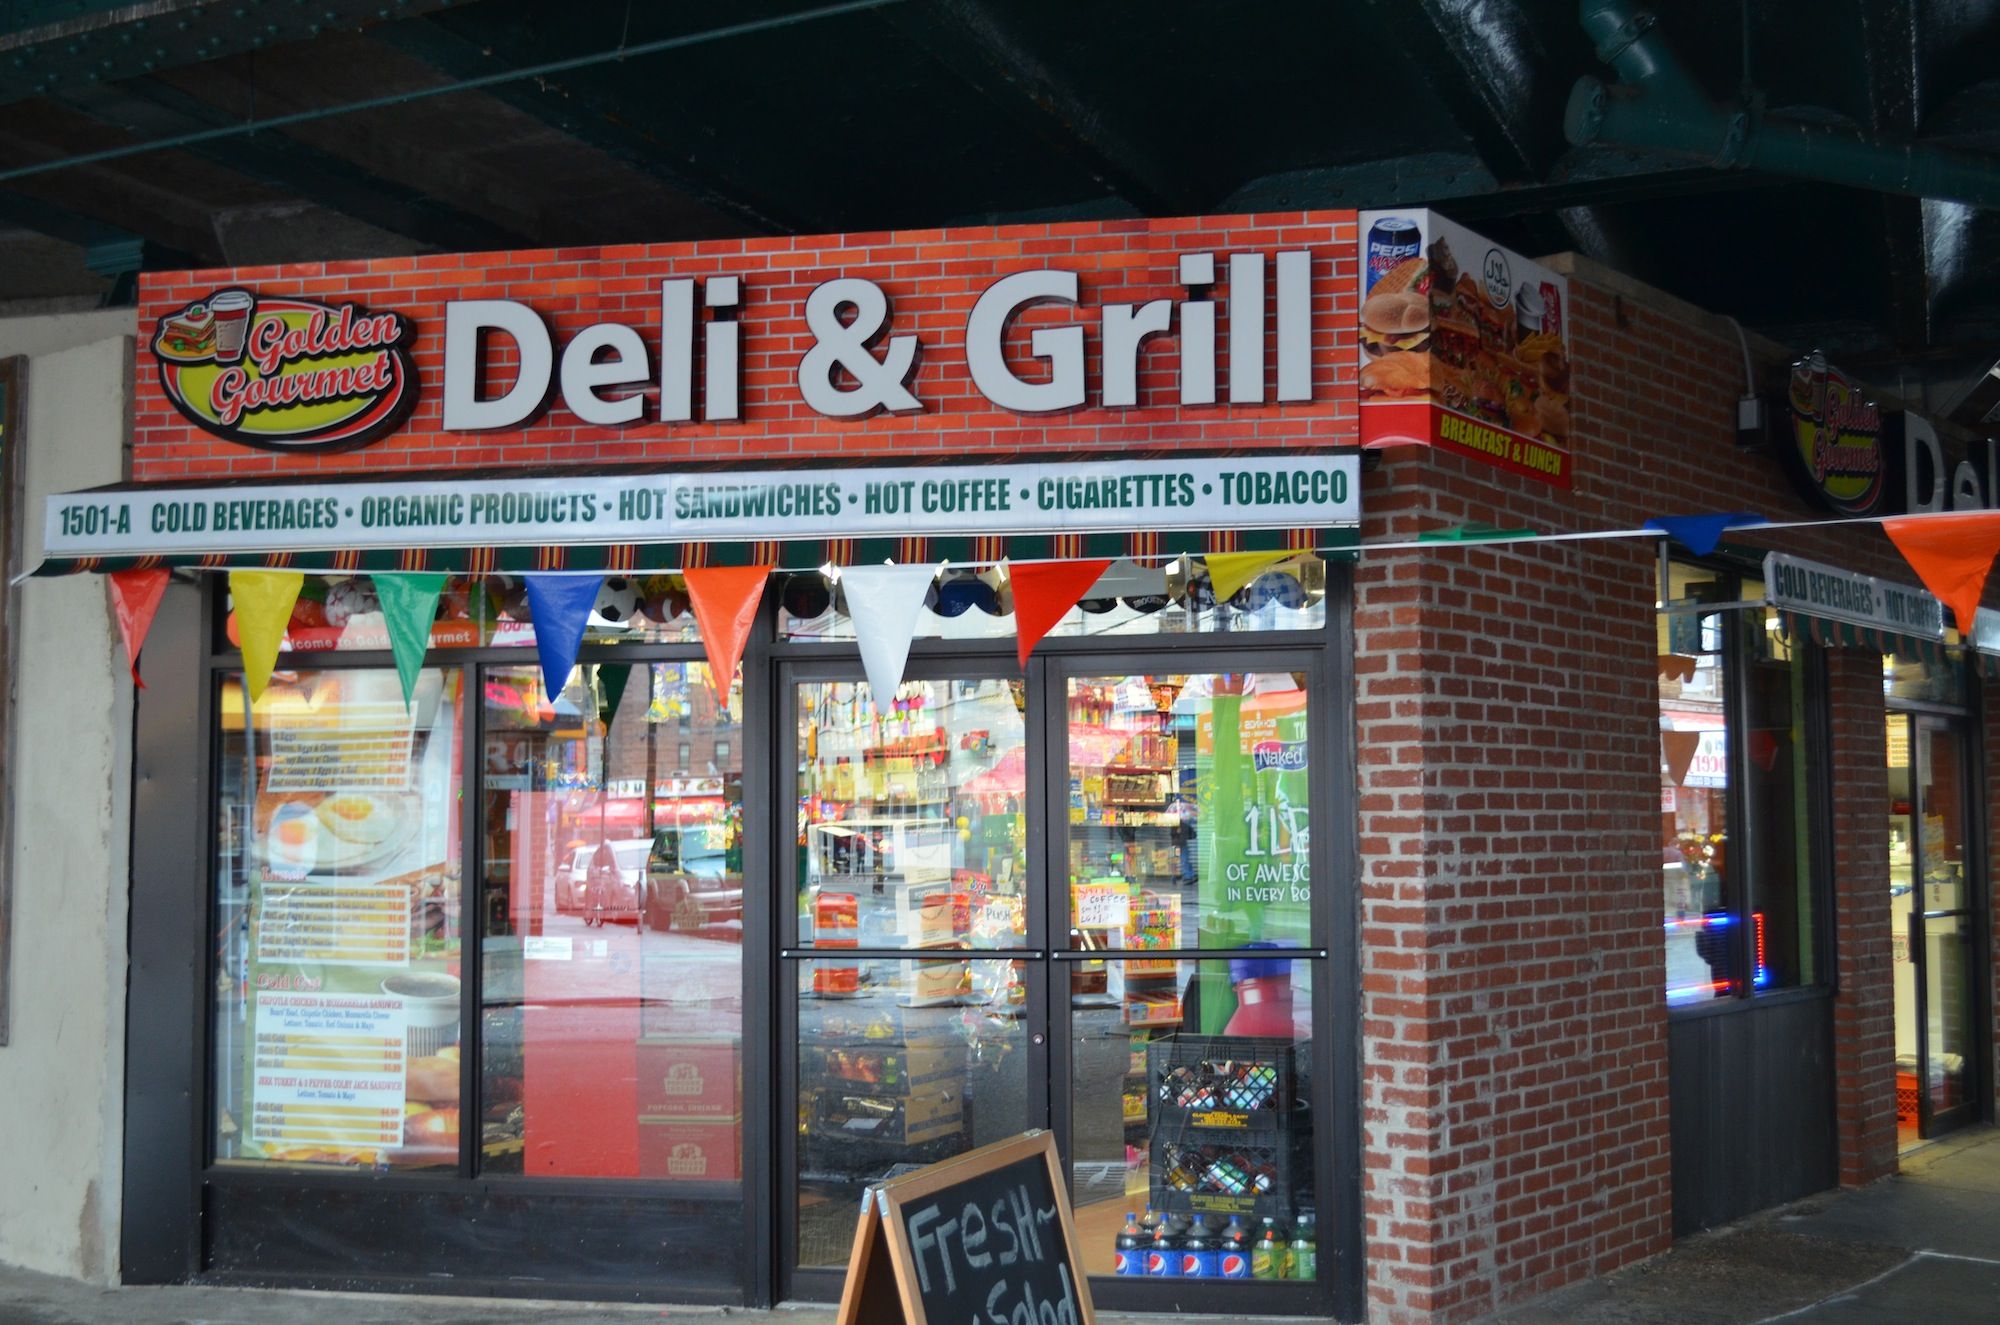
[1230, 571]
[262, 600]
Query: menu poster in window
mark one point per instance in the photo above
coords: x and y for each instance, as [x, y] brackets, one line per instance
[352, 940]
[1254, 847]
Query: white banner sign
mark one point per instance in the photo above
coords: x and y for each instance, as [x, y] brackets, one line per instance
[1249, 492]
[1792, 584]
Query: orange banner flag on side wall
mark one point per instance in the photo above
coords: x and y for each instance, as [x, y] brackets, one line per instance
[724, 600]
[262, 601]
[1952, 555]
[1044, 591]
[135, 599]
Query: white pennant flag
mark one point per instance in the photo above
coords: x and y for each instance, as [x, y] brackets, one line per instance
[883, 602]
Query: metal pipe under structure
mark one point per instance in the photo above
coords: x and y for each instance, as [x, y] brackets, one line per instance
[1657, 105]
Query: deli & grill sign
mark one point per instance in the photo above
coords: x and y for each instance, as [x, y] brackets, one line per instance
[1243, 492]
[282, 373]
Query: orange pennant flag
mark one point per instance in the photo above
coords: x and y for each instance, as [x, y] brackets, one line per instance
[135, 598]
[1952, 555]
[1044, 592]
[724, 599]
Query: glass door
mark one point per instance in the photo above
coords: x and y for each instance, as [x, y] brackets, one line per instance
[1195, 974]
[1941, 928]
[909, 989]
[1079, 900]
[1932, 877]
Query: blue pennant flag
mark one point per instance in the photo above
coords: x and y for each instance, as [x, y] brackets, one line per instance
[1700, 533]
[560, 607]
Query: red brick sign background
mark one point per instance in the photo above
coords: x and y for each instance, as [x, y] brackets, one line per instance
[932, 278]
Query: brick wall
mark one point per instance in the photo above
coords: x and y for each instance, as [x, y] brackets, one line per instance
[1516, 1130]
[932, 278]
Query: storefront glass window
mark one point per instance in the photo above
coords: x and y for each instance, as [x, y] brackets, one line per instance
[1775, 800]
[1190, 822]
[337, 1008]
[909, 1062]
[912, 822]
[1193, 1115]
[612, 905]
[1130, 599]
[341, 613]
[1925, 681]
[1700, 888]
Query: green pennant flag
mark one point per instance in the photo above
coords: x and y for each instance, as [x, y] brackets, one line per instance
[611, 679]
[409, 605]
[1474, 533]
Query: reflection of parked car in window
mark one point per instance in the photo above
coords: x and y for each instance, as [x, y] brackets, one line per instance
[613, 880]
[569, 879]
[691, 880]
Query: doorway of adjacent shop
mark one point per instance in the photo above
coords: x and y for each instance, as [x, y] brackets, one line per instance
[1082, 900]
[1934, 879]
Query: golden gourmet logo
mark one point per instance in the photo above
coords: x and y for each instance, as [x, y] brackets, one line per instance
[1836, 436]
[286, 374]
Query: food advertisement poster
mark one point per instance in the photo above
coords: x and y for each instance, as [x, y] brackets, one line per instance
[1464, 346]
[349, 1049]
[1250, 757]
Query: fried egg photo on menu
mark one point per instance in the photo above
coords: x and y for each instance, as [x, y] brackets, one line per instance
[360, 819]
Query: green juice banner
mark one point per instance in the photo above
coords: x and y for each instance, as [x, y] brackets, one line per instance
[1255, 836]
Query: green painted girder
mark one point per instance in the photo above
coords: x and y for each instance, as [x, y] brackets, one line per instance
[153, 109]
[50, 47]
[586, 106]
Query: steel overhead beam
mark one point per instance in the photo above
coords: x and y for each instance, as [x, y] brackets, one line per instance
[983, 46]
[1888, 51]
[153, 108]
[1482, 63]
[50, 49]
[572, 106]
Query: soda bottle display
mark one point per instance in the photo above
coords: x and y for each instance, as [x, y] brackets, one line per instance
[1131, 1247]
[1149, 1223]
[1163, 1258]
[1233, 1256]
[1198, 1253]
[1305, 1251]
[1267, 1255]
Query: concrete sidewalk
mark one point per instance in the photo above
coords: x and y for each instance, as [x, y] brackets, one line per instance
[1921, 1248]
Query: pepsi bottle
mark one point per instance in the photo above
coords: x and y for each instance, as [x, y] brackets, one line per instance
[1131, 1248]
[1149, 1223]
[1199, 1258]
[1163, 1258]
[1232, 1258]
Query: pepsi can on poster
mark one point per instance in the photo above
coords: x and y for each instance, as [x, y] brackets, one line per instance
[1391, 239]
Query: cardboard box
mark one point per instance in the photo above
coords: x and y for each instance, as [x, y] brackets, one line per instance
[690, 1076]
[691, 1149]
[935, 982]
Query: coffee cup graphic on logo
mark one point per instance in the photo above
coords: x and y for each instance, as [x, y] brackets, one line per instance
[430, 1004]
[232, 323]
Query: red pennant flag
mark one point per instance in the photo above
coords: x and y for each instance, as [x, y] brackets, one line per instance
[724, 599]
[1951, 554]
[135, 596]
[1044, 592]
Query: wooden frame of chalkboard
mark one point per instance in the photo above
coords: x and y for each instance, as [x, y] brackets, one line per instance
[918, 1249]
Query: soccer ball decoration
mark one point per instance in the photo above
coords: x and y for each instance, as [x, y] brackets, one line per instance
[350, 598]
[617, 601]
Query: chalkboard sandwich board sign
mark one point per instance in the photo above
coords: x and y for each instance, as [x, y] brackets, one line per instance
[982, 1239]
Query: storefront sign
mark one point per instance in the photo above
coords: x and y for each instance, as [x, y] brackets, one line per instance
[1464, 346]
[1832, 438]
[1811, 589]
[1249, 492]
[286, 374]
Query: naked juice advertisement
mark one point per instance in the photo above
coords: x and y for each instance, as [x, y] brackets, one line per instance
[1464, 346]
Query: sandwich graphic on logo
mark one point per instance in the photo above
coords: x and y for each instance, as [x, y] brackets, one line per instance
[189, 335]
